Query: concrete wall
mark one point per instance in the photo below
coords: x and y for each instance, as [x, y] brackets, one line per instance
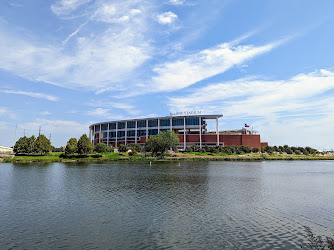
[6, 150]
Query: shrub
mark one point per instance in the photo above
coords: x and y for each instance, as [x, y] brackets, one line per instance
[189, 149]
[137, 147]
[255, 150]
[228, 151]
[101, 148]
[122, 148]
[133, 152]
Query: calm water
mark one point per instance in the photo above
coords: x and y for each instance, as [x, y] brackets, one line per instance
[198, 205]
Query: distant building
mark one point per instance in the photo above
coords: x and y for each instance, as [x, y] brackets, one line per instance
[191, 129]
[6, 150]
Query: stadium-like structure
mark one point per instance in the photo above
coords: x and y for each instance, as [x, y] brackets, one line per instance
[191, 130]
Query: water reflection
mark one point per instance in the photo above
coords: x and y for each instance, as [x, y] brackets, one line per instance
[193, 206]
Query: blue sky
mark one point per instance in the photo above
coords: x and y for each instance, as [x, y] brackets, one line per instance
[65, 64]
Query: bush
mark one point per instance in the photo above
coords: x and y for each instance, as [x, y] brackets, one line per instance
[215, 151]
[100, 148]
[122, 148]
[137, 147]
[133, 152]
[188, 149]
[297, 152]
[194, 148]
[255, 150]
[228, 151]
[202, 150]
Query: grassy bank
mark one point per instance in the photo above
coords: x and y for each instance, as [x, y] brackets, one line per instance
[196, 156]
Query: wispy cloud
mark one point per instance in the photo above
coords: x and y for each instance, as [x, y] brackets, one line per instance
[260, 97]
[206, 63]
[45, 113]
[99, 58]
[64, 7]
[31, 94]
[177, 2]
[3, 110]
[167, 18]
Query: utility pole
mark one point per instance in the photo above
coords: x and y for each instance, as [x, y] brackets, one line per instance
[15, 134]
[50, 138]
[39, 131]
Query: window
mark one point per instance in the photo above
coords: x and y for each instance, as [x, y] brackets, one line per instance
[192, 121]
[105, 134]
[141, 124]
[120, 133]
[121, 125]
[153, 123]
[112, 134]
[131, 124]
[97, 128]
[131, 133]
[178, 122]
[152, 132]
[164, 123]
[104, 127]
[112, 126]
[141, 133]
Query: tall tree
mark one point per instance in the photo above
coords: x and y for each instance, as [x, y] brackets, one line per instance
[24, 145]
[42, 144]
[71, 146]
[84, 145]
[159, 143]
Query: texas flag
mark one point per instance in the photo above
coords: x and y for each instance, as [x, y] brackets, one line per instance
[246, 126]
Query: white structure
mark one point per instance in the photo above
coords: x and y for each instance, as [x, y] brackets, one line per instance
[6, 150]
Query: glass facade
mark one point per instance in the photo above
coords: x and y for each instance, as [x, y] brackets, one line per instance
[112, 126]
[104, 127]
[164, 123]
[153, 123]
[131, 133]
[178, 122]
[141, 133]
[112, 134]
[141, 124]
[192, 121]
[121, 125]
[97, 128]
[152, 132]
[120, 133]
[131, 124]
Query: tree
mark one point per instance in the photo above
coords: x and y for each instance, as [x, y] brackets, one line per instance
[42, 144]
[100, 148]
[71, 146]
[159, 143]
[24, 145]
[84, 145]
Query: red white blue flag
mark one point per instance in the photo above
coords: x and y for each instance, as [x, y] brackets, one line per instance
[246, 126]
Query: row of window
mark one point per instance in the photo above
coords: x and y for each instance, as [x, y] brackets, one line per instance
[132, 133]
[151, 123]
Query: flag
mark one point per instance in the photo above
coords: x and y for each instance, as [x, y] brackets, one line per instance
[246, 126]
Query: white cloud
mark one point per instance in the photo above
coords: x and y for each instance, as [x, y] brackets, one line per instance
[64, 7]
[96, 61]
[177, 2]
[74, 33]
[292, 111]
[31, 94]
[167, 18]
[45, 113]
[204, 64]
[3, 110]
[99, 112]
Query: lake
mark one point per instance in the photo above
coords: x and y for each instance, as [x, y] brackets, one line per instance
[197, 205]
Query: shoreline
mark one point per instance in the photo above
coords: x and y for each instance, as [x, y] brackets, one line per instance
[115, 157]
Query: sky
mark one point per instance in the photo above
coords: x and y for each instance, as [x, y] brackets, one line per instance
[66, 64]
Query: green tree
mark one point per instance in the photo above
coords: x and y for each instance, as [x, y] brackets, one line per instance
[24, 145]
[71, 146]
[42, 145]
[100, 148]
[159, 143]
[84, 145]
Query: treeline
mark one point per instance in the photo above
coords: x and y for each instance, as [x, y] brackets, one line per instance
[289, 150]
[225, 150]
[32, 145]
[246, 150]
